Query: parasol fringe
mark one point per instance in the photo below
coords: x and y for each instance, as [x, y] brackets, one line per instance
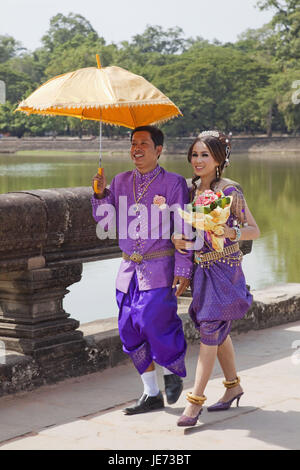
[50, 107]
[160, 121]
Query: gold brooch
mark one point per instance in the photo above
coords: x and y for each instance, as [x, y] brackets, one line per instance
[136, 257]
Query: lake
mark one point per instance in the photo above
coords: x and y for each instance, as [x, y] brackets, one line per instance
[270, 183]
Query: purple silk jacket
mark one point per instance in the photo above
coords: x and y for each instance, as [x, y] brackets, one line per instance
[149, 229]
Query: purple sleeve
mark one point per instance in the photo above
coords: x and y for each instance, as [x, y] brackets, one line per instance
[229, 189]
[238, 203]
[108, 199]
[183, 262]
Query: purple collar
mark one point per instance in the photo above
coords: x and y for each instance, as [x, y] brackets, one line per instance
[145, 177]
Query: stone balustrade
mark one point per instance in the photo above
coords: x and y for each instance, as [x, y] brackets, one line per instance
[45, 236]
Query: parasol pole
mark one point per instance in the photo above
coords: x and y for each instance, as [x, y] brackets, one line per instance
[100, 144]
[100, 137]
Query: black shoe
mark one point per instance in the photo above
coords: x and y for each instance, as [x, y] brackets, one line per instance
[173, 387]
[145, 404]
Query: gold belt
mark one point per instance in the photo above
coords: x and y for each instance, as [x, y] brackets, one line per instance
[216, 255]
[138, 258]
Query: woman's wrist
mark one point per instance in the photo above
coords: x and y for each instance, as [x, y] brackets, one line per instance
[236, 234]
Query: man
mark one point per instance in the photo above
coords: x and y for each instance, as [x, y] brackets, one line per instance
[149, 326]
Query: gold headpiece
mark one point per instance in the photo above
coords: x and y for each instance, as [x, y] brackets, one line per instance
[210, 133]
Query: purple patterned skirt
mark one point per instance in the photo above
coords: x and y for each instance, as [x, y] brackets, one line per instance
[220, 295]
[150, 328]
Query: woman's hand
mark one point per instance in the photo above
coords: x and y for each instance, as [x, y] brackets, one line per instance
[229, 232]
[181, 243]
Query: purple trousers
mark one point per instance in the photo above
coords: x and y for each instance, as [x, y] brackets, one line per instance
[150, 328]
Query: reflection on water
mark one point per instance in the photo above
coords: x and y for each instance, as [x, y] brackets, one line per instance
[271, 190]
[94, 296]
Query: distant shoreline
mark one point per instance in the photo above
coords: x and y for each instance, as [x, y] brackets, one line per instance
[253, 145]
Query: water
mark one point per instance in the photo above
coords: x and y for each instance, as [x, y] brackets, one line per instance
[270, 183]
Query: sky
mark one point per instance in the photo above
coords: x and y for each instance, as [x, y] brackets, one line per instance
[118, 20]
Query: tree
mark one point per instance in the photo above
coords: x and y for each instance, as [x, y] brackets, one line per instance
[215, 87]
[286, 28]
[9, 47]
[259, 43]
[244, 86]
[155, 39]
[17, 84]
[64, 28]
[78, 53]
[30, 66]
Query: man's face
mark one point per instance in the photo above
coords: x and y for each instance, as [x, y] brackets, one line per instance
[143, 151]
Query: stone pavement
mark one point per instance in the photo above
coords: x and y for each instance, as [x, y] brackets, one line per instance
[85, 413]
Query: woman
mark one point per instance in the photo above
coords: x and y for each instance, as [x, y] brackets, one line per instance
[219, 290]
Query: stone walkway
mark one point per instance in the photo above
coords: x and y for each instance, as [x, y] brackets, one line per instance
[86, 412]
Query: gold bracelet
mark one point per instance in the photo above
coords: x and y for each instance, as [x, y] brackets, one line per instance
[195, 399]
[231, 383]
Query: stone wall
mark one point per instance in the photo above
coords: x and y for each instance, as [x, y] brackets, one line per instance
[45, 236]
[172, 145]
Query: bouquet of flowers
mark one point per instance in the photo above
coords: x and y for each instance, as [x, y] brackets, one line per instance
[209, 211]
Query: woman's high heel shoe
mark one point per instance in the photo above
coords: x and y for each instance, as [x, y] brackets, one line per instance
[188, 420]
[225, 405]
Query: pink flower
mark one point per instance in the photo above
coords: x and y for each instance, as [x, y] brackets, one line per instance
[206, 198]
[159, 201]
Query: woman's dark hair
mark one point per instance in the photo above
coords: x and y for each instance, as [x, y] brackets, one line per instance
[220, 149]
[156, 134]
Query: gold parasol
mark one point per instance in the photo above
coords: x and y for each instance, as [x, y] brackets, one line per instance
[111, 95]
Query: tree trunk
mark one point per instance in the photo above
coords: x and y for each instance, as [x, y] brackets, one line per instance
[269, 121]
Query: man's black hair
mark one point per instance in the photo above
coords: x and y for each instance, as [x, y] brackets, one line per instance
[156, 134]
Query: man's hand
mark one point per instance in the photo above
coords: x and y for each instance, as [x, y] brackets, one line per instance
[183, 284]
[101, 184]
[181, 243]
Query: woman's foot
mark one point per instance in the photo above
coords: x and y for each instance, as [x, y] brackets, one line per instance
[233, 392]
[190, 415]
[230, 393]
[192, 410]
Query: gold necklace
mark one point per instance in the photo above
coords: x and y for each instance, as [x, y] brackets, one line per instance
[136, 208]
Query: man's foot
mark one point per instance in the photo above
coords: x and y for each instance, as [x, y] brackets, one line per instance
[173, 387]
[145, 404]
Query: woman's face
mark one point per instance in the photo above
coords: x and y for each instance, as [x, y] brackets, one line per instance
[202, 161]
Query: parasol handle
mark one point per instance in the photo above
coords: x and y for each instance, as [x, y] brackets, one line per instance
[98, 61]
[96, 191]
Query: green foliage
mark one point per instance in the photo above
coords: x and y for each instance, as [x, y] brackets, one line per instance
[9, 47]
[17, 83]
[215, 87]
[240, 87]
[286, 28]
[155, 39]
[65, 28]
